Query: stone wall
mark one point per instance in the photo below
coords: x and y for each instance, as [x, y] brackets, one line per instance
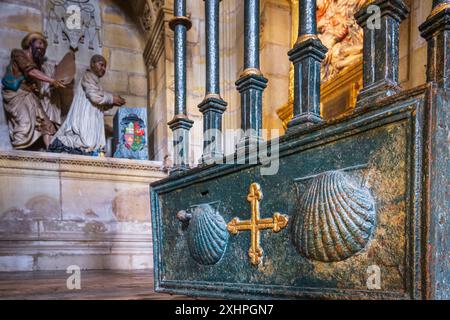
[62, 210]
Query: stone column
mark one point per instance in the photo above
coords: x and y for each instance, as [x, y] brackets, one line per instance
[251, 83]
[180, 124]
[213, 106]
[307, 56]
[380, 20]
[436, 30]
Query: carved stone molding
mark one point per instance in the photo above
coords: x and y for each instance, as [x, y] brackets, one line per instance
[73, 165]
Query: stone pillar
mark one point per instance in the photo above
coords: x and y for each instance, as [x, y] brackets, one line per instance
[380, 20]
[251, 83]
[213, 106]
[180, 124]
[436, 30]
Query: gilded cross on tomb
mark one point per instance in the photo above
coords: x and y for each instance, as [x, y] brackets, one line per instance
[256, 224]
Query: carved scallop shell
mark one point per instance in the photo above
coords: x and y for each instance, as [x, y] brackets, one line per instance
[207, 235]
[335, 220]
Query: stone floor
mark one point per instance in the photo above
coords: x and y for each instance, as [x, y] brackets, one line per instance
[95, 285]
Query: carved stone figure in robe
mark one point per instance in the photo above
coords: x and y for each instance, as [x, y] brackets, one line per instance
[83, 131]
[27, 89]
